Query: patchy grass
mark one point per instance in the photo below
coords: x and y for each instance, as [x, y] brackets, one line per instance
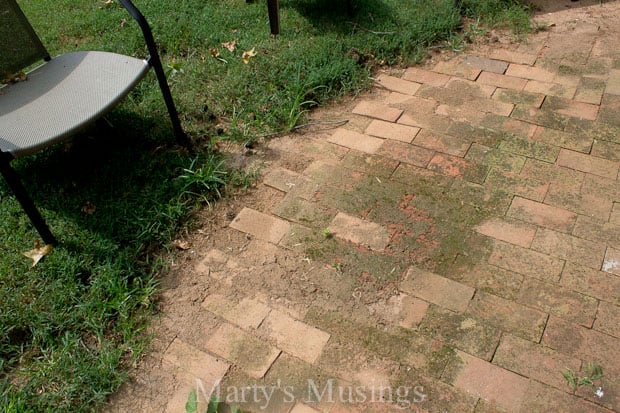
[71, 326]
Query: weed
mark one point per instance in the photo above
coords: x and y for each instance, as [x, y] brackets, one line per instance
[214, 406]
[326, 233]
[204, 177]
[592, 378]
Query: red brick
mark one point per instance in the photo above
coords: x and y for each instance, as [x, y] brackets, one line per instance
[546, 172]
[585, 343]
[296, 338]
[415, 74]
[534, 361]
[571, 108]
[516, 184]
[503, 81]
[406, 153]
[593, 282]
[542, 214]
[588, 163]
[442, 143]
[377, 110]
[513, 232]
[389, 130]
[508, 316]
[550, 89]
[596, 230]
[512, 56]
[252, 355]
[399, 85]
[453, 166]
[289, 181]
[611, 264]
[487, 381]
[573, 141]
[248, 313]
[569, 247]
[530, 72]
[529, 148]
[355, 140]
[607, 319]
[559, 301]
[526, 262]
[359, 231]
[437, 289]
[260, 225]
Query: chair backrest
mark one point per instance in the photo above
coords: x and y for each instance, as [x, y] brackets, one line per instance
[19, 44]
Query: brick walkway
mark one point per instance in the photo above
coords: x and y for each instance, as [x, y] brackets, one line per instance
[461, 234]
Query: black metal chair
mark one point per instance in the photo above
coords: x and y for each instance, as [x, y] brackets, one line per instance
[63, 95]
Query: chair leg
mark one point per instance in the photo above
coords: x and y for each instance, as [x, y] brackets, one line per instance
[26, 202]
[273, 7]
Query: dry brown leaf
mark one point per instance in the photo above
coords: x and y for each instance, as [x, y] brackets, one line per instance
[38, 252]
[231, 46]
[247, 55]
[215, 53]
[182, 245]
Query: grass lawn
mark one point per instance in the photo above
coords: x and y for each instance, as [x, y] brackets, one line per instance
[71, 327]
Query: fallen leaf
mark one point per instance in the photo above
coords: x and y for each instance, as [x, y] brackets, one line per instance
[14, 78]
[107, 3]
[247, 55]
[182, 245]
[215, 53]
[89, 208]
[38, 252]
[231, 46]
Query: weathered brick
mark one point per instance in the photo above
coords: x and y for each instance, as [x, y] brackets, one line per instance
[430, 121]
[248, 313]
[389, 130]
[453, 166]
[582, 342]
[399, 85]
[486, 64]
[592, 282]
[455, 67]
[251, 354]
[584, 203]
[558, 301]
[516, 97]
[526, 262]
[403, 152]
[550, 89]
[402, 310]
[304, 212]
[568, 247]
[500, 160]
[355, 140]
[487, 381]
[534, 361]
[295, 337]
[543, 398]
[588, 163]
[491, 279]
[289, 181]
[613, 83]
[541, 214]
[442, 143]
[590, 90]
[377, 110]
[260, 225]
[509, 316]
[530, 72]
[571, 108]
[371, 165]
[503, 81]
[303, 408]
[437, 289]
[547, 172]
[415, 74]
[611, 263]
[323, 173]
[530, 149]
[360, 232]
[606, 150]
[515, 184]
[194, 362]
[607, 319]
[512, 56]
[609, 112]
[597, 230]
[513, 232]
[573, 141]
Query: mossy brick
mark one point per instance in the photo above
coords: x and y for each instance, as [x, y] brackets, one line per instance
[550, 89]
[397, 84]
[585, 203]
[590, 90]
[582, 342]
[549, 172]
[609, 111]
[606, 150]
[530, 72]
[437, 289]
[594, 130]
[377, 110]
[450, 145]
[526, 262]
[403, 152]
[534, 361]
[483, 200]
[613, 83]
[568, 247]
[486, 64]
[516, 184]
[530, 149]
[458, 167]
[576, 142]
[534, 100]
[503, 126]
[560, 302]
[415, 74]
[406, 173]
[304, 212]
[570, 107]
[355, 140]
[333, 175]
[491, 383]
[495, 157]
[457, 92]
[359, 232]
[371, 165]
[476, 90]
[588, 163]
[291, 182]
[593, 282]
[490, 279]
[511, 231]
[430, 121]
[541, 214]
[502, 81]
[390, 130]
[597, 230]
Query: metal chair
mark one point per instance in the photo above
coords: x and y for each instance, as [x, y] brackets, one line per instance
[63, 95]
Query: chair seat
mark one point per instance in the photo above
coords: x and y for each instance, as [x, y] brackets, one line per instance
[62, 96]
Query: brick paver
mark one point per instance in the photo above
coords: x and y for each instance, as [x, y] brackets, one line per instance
[527, 262]
[569, 248]
[513, 232]
[389, 130]
[377, 110]
[437, 289]
[398, 85]
[589, 164]
[359, 231]
[541, 214]
[248, 313]
[356, 140]
[260, 225]
[415, 74]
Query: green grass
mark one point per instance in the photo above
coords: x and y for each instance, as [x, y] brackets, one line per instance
[71, 326]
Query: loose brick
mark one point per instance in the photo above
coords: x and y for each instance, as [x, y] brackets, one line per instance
[530, 72]
[442, 143]
[585, 203]
[550, 89]
[295, 337]
[360, 232]
[589, 164]
[571, 108]
[453, 166]
[437, 289]
[406, 153]
[558, 301]
[377, 110]
[585, 343]
[248, 313]
[526, 262]
[196, 363]
[534, 361]
[513, 232]
[251, 354]
[607, 319]
[389, 130]
[569, 247]
[399, 85]
[509, 316]
[487, 381]
[415, 74]
[486, 64]
[611, 263]
[540, 214]
[593, 282]
[355, 140]
[503, 81]
[572, 141]
[260, 225]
